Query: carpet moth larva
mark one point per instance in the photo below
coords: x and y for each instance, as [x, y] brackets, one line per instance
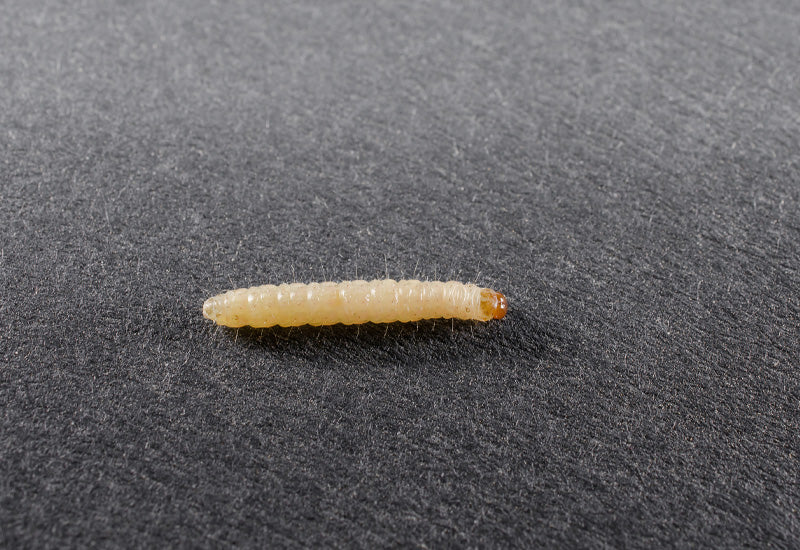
[353, 302]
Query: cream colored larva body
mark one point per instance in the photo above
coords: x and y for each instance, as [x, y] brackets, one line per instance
[353, 302]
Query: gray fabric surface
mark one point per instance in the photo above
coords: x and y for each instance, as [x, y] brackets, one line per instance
[628, 173]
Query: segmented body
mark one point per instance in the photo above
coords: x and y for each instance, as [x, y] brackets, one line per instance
[353, 302]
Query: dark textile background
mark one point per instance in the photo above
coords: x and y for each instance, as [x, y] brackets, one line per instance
[628, 173]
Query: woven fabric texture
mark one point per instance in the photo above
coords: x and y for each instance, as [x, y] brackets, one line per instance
[627, 173]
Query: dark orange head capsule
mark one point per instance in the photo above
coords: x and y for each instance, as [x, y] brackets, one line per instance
[501, 306]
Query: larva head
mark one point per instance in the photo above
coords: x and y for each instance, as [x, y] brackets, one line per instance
[493, 304]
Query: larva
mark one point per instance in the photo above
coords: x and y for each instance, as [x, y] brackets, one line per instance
[353, 302]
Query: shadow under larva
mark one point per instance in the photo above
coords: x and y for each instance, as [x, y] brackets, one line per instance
[425, 344]
[367, 334]
[439, 342]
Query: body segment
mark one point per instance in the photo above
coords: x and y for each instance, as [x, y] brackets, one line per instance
[353, 302]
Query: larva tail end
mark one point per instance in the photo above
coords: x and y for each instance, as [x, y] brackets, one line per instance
[493, 304]
[210, 309]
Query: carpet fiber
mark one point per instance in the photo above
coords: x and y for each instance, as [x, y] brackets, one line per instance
[627, 173]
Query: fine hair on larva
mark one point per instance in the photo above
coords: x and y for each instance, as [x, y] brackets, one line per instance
[354, 302]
